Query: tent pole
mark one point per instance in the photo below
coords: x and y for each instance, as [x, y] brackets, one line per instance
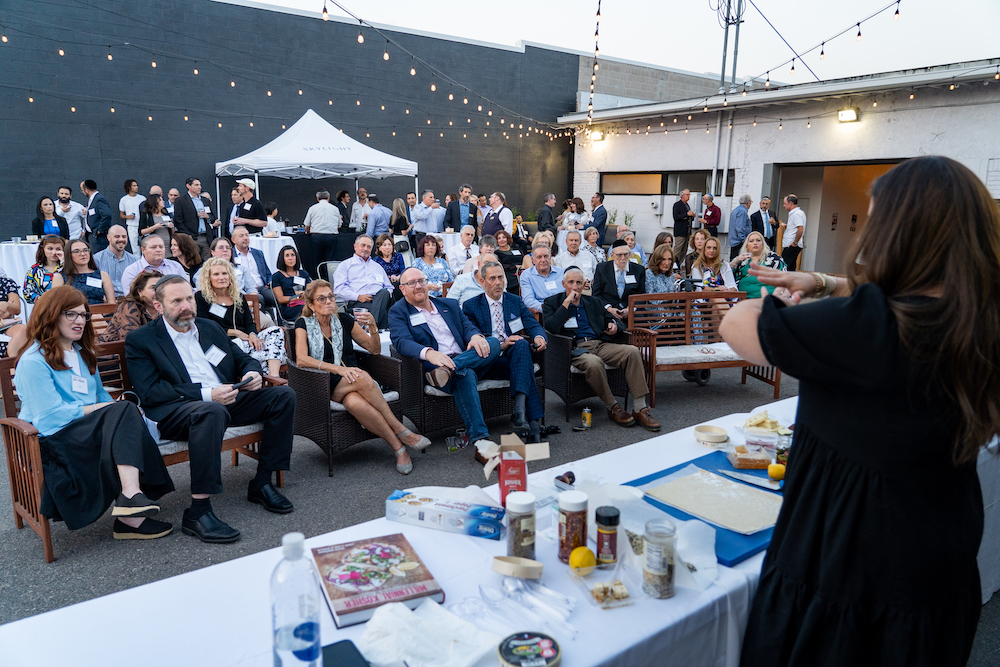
[256, 182]
[218, 204]
[416, 187]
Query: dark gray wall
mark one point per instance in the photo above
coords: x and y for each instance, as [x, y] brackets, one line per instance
[44, 144]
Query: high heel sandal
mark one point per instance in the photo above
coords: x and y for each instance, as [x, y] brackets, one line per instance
[402, 468]
[421, 445]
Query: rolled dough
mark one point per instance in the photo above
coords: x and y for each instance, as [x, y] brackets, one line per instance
[719, 501]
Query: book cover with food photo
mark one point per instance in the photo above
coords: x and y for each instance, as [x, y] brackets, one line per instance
[358, 577]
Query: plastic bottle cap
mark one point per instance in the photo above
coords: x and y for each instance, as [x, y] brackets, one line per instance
[520, 502]
[607, 515]
[573, 501]
[293, 545]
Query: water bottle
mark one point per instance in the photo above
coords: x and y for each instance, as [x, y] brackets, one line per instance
[295, 602]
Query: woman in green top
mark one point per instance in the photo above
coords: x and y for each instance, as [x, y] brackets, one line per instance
[754, 251]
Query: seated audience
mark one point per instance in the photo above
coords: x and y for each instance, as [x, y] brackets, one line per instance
[254, 266]
[663, 237]
[617, 280]
[576, 256]
[455, 353]
[487, 246]
[390, 261]
[47, 222]
[661, 277]
[95, 451]
[187, 254]
[324, 340]
[754, 251]
[432, 264]
[638, 254]
[593, 239]
[505, 317]
[470, 284]
[288, 283]
[221, 248]
[510, 258]
[363, 283]
[48, 263]
[153, 257]
[134, 310]
[219, 300]
[189, 393]
[113, 260]
[82, 273]
[696, 244]
[540, 281]
[574, 314]
[13, 330]
[710, 272]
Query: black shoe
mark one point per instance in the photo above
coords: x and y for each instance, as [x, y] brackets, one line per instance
[150, 529]
[270, 498]
[550, 430]
[209, 528]
[137, 505]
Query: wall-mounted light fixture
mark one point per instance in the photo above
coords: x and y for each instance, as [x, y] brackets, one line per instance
[848, 115]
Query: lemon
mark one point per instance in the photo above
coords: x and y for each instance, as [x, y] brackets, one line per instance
[582, 561]
[776, 471]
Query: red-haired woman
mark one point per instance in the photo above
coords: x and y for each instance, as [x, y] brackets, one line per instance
[95, 450]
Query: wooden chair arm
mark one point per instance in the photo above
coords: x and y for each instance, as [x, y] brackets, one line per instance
[25, 428]
[274, 381]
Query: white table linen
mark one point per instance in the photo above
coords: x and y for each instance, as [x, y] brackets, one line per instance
[271, 247]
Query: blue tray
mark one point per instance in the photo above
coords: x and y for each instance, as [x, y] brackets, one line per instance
[730, 547]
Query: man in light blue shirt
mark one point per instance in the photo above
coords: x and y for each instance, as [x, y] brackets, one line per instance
[739, 226]
[378, 218]
[113, 260]
[542, 280]
[424, 220]
[362, 283]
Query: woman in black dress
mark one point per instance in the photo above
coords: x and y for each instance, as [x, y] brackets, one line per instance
[873, 558]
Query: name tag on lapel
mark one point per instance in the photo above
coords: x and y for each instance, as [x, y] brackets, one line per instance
[571, 323]
[515, 325]
[218, 310]
[92, 212]
[94, 282]
[417, 320]
[300, 281]
[246, 206]
[550, 284]
[79, 384]
[630, 280]
[214, 355]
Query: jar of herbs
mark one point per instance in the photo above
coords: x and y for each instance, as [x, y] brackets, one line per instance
[572, 522]
[658, 559]
[607, 519]
[521, 524]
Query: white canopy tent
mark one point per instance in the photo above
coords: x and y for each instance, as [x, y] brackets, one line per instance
[313, 148]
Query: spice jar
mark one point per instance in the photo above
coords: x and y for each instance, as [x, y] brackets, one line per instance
[658, 559]
[521, 526]
[607, 519]
[572, 522]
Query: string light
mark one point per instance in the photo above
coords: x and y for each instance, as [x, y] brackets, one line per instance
[251, 123]
[331, 102]
[768, 82]
[896, 15]
[383, 107]
[61, 52]
[593, 76]
[361, 37]
[185, 117]
[875, 102]
[112, 109]
[952, 87]
[859, 33]
[196, 68]
[780, 126]
[822, 51]
[725, 101]
[465, 100]
[30, 96]
[689, 116]
[911, 96]
[3, 37]
[793, 67]
[997, 75]
[358, 102]
[232, 84]
[755, 121]
[269, 93]
[433, 87]
[706, 129]
[385, 54]
[705, 109]
[685, 129]
[451, 95]
[744, 90]
[809, 124]
[300, 91]
[480, 107]
[110, 57]
[413, 70]
[282, 127]
[326, 14]
[73, 109]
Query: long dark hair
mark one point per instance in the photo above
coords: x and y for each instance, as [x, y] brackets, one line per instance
[430, 238]
[281, 266]
[935, 202]
[152, 204]
[38, 208]
[43, 326]
[189, 249]
[69, 266]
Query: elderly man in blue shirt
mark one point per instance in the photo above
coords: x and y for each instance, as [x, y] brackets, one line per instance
[378, 218]
[542, 280]
[739, 226]
[362, 283]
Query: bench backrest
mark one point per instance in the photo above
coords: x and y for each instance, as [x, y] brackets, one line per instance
[101, 314]
[681, 318]
[253, 301]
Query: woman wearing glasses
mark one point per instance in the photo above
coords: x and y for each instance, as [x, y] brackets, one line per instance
[82, 273]
[95, 450]
[324, 340]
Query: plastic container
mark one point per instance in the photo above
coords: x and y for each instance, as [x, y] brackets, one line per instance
[529, 649]
[658, 559]
[572, 522]
[521, 524]
[295, 602]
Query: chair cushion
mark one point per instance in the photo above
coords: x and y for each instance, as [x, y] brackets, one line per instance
[695, 354]
[482, 385]
[175, 446]
[389, 398]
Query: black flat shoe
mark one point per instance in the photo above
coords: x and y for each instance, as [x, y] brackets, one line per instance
[150, 529]
[137, 505]
[270, 498]
[209, 528]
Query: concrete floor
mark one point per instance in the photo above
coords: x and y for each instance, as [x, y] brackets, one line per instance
[89, 563]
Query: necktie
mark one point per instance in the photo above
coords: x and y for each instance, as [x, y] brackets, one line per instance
[767, 224]
[498, 325]
[621, 282]
[468, 253]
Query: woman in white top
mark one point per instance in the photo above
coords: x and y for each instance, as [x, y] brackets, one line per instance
[576, 216]
[709, 272]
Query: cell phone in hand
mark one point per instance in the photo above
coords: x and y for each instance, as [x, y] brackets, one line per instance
[242, 382]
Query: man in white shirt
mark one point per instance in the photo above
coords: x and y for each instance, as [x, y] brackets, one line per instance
[460, 254]
[113, 260]
[254, 266]
[322, 222]
[74, 212]
[153, 251]
[471, 283]
[359, 211]
[362, 282]
[573, 256]
[422, 216]
[172, 195]
[795, 227]
[128, 210]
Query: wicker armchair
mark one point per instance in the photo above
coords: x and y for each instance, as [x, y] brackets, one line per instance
[571, 385]
[432, 412]
[328, 424]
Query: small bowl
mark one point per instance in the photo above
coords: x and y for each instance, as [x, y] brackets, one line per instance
[706, 433]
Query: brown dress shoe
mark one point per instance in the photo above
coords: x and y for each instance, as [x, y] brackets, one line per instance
[619, 416]
[645, 419]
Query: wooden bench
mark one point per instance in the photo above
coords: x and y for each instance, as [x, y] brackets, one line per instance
[24, 459]
[679, 331]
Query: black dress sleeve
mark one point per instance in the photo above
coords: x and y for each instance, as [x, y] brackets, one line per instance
[347, 323]
[244, 319]
[840, 342]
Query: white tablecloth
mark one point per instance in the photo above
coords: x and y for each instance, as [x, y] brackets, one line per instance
[270, 247]
[386, 344]
[449, 241]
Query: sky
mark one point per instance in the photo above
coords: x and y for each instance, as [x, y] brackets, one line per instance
[688, 36]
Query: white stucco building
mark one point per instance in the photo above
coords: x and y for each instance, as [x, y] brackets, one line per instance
[788, 139]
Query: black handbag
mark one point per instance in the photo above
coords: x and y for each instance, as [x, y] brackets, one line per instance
[402, 246]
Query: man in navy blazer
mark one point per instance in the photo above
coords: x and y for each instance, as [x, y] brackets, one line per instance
[505, 317]
[99, 218]
[183, 369]
[455, 353]
[599, 216]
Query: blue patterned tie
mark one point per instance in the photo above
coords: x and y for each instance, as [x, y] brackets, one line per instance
[621, 282]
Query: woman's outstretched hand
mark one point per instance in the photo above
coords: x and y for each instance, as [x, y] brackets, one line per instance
[789, 285]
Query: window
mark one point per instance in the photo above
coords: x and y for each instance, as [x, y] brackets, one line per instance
[670, 183]
[631, 184]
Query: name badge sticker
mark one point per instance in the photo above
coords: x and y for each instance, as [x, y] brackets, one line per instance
[218, 310]
[246, 206]
[550, 284]
[79, 384]
[214, 355]
[571, 323]
[94, 282]
[515, 252]
[418, 319]
[515, 325]
[630, 280]
[299, 280]
[92, 212]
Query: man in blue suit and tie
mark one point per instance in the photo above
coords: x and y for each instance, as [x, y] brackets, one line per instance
[455, 353]
[599, 215]
[505, 317]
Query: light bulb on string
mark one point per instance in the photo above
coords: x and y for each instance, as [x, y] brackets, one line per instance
[326, 14]
[30, 97]
[385, 54]
[3, 37]
[809, 124]
[185, 117]
[793, 67]
[300, 91]
[705, 109]
[153, 63]
[895, 16]
[911, 96]
[780, 126]
[480, 107]
[196, 68]
[361, 37]
[433, 87]
[685, 129]
[61, 52]
[110, 57]
[451, 95]
[952, 87]
[755, 121]
[383, 107]
[858, 38]
[251, 123]
[706, 129]
[232, 84]
[331, 102]
[875, 102]
[689, 116]
[997, 75]
[744, 90]
[112, 109]
[822, 51]
[768, 82]
[725, 101]
[269, 93]
[358, 102]
[220, 124]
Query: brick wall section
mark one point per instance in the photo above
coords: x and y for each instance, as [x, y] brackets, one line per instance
[45, 145]
[644, 83]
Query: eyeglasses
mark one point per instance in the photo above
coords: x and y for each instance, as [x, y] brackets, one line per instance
[80, 251]
[74, 316]
[414, 283]
[326, 298]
